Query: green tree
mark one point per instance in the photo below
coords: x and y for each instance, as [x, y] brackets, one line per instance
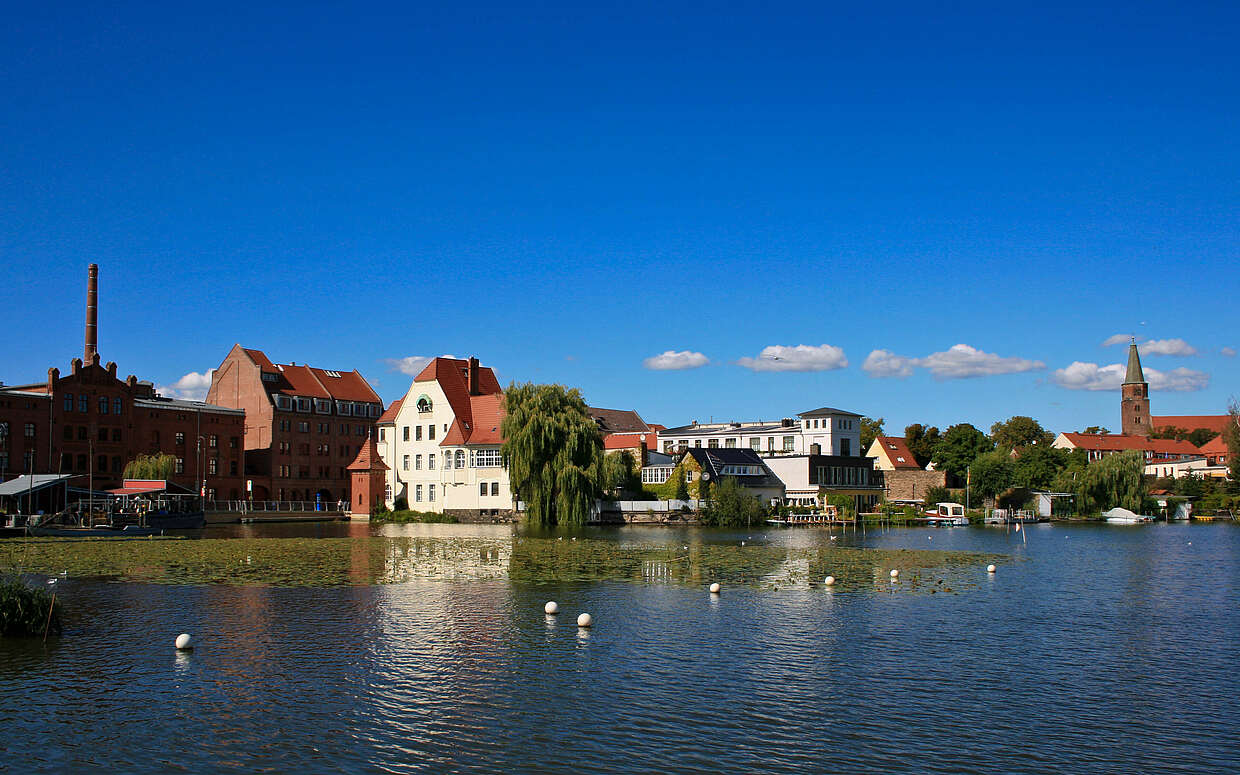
[993, 473]
[1114, 481]
[936, 495]
[620, 473]
[554, 452]
[1035, 468]
[156, 466]
[680, 488]
[1096, 430]
[870, 430]
[960, 446]
[1200, 436]
[922, 441]
[1019, 432]
[731, 505]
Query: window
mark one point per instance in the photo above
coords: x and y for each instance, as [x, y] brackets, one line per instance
[303, 427]
[789, 443]
[382, 435]
[430, 432]
[68, 402]
[30, 430]
[417, 493]
[430, 493]
[233, 441]
[180, 467]
[232, 468]
[103, 434]
[417, 462]
[712, 444]
[460, 458]
[729, 443]
[405, 433]
[322, 406]
[755, 443]
[66, 461]
[83, 404]
[68, 433]
[487, 458]
[495, 488]
[116, 406]
[667, 447]
[417, 433]
[28, 460]
[81, 462]
[430, 462]
[361, 430]
[103, 404]
[116, 434]
[424, 404]
[697, 443]
[81, 433]
[482, 488]
[404, 462]
[213, 466]
[180, 439]
[284, 425]
[213, 441]
[344, 408]
[284, 402]
[846, 447]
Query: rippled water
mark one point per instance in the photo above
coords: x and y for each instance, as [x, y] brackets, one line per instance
[1094, 649]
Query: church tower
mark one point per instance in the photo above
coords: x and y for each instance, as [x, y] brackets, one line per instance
[1135, 397]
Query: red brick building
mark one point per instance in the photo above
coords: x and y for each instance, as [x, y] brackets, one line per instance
[304, 425]
[90, 423]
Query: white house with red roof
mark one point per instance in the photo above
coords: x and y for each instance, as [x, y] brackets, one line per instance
[441, 442]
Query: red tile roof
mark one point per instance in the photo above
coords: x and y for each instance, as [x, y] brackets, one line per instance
[389, 416]
[1191, 422]
[301, 381]
[260, 358]
[313, 382]
[368, 458]
[895, 448]
[349, 386]
[1215, 446]
[652, 440]
[1114, 442]
[452, 374]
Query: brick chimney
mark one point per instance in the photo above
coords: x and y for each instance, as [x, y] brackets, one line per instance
[474, 388]
[92, 301]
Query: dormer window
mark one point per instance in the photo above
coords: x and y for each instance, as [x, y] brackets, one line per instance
[303, 404]
[322, 406]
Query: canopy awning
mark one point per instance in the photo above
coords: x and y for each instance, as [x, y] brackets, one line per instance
[26, 483]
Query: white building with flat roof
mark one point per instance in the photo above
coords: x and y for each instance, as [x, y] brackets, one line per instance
[823, 431]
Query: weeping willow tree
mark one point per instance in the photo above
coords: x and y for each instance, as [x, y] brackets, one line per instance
[157, 466]
[1114, 481]
[1232, 438]
[554, 452]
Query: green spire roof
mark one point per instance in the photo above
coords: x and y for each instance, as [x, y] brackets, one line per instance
[1135, 375]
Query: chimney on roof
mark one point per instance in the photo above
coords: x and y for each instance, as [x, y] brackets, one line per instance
[92, 301]
[474, 388]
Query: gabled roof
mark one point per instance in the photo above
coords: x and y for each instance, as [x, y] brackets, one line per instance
[1114, 442]
[301, 381]
[827, 411]
[486, 412]
[389, 415]
[311, 382]
[260, 358]
[1215, 446]
[1191, 422]
[452, 374]
[368, 458]
[712, 461]
[895, 448]
[346, 385]
[618, 420]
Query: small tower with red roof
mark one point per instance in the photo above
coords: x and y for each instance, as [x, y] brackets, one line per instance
[368, 475]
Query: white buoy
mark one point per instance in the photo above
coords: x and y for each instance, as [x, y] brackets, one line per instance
[991, 569]
[552, 607]
[585, 620]
[829, 581]
[895, 574]
[714, 588]
[185, 642]
[1017, 527]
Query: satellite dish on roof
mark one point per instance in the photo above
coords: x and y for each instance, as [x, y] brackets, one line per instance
[706, 476]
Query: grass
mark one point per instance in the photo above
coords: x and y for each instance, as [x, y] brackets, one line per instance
[24, 609]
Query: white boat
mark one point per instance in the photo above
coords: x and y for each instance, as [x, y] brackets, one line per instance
[1118, 516]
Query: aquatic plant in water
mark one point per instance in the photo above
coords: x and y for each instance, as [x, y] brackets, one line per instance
[27, 610]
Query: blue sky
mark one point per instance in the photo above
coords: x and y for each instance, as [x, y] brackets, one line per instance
[569, 191]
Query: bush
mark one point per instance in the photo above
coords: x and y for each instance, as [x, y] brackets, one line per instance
[732, 506]
[24, 609]
[404, 516]
[937, 495]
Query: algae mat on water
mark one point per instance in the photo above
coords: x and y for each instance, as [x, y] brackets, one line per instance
[299, 562]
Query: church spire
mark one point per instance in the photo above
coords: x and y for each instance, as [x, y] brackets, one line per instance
[1134, 376]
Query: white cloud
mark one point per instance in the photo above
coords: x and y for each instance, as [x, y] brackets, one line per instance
[803, 357]
[191, 387]
[884, 363]
[1230, 352]
[412, 364]
[1117, 339]
[1167, 347]
[1091, 376]
[960, 361]
[675, 361]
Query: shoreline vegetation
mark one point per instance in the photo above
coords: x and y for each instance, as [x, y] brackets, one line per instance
[27, 611]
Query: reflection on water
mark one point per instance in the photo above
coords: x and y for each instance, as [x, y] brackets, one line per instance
[1089, 651]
